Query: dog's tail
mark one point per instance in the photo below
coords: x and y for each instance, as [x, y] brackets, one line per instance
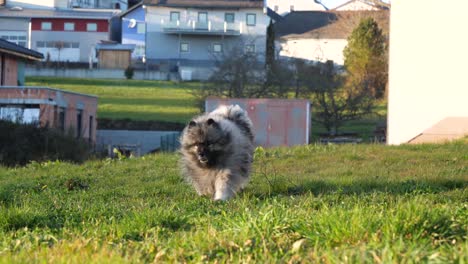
[238, 116]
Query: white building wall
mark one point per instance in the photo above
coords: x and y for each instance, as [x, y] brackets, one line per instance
[41, 4]
[356, 6]
[314, 49]
[423, 88]
[283, 7]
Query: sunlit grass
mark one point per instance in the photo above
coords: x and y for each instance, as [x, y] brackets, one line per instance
[317, 203]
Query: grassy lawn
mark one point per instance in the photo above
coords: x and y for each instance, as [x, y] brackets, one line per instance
[318, 203]
[137, 100]
[167, 101]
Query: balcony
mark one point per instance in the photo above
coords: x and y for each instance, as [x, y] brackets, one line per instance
[192, 27]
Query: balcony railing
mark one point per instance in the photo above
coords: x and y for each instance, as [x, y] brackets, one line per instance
[201, 28]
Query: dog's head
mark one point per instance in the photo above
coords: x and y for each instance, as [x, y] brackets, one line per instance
[206, 141]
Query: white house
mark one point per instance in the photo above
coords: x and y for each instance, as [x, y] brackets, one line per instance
[284, 7]
[321, 36]
[428, 91]
[361, 5]
[194, 33]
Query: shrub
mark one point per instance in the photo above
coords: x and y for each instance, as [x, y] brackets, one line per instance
[22, 143]
[129, 72]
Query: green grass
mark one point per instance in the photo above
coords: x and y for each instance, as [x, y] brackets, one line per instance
[317, 203]
[169, 101]
[137, 100]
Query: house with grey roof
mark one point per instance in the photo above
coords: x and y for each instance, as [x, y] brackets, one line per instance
[321, 36]
[192, 34]
[60, 34]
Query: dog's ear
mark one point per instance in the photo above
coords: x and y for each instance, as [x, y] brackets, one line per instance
[192, 124]
[211, 122]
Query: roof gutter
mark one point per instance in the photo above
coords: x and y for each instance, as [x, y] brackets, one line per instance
[21, 55]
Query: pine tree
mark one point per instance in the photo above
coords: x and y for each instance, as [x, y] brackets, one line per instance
[366, 58]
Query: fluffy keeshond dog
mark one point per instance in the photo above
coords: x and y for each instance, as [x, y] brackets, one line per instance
[217, 152]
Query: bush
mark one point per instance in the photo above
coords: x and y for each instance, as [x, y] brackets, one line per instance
[129, 71]
[22, 143]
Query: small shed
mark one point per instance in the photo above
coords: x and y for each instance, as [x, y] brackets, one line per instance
[49, 107]
[13, 57]
[276, 122]
[114, 56]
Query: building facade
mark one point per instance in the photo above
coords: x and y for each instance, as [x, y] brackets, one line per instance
[64, 4]
[197, 33]
[61, 35]
[67, 111]
[427, 103]
[284, 7]
[133, 30]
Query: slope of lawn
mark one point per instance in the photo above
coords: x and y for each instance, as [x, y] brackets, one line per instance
[317, 203]
[132, 99]
[171, 101]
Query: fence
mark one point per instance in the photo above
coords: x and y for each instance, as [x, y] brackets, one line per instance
[170, 143]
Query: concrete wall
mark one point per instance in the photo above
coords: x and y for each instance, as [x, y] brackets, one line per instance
[424, 89]
[146, 141]
[100, 74]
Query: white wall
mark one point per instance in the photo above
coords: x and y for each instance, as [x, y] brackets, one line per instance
[284, 6]
[44, 4]
[428, 63]
[355, 6]
[314, 49]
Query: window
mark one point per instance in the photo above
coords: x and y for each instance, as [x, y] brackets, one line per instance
[17, 37]
[229, 17]
[40, 44]
[249, 48]
[141, 28]
[90, 131]
[50, 44]
[291, 8]
[217, 48]
[202, 17]
[26, 114]
[69, 26]
[91, 27]
[184, 47]
[175, 16]
[61, 119]
[79, 121]
[46, 26]
[251, 19]
[75, 45]
[66, 45]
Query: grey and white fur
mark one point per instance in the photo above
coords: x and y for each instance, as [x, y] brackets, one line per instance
[217, 152]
